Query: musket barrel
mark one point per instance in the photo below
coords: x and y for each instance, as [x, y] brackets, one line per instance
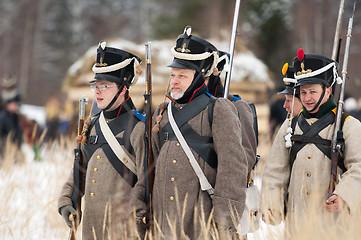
[338, 30]
[149, 62]
[338, 135]
[148, 161]
[231, 47]
[82, 102]
[344, 76]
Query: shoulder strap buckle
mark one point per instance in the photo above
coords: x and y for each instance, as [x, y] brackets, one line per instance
[93, 139]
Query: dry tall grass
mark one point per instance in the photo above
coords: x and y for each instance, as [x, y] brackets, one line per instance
[29, 190]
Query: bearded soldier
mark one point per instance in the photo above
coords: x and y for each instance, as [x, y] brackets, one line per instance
[297, 178]
[200, 160]
[114, 143]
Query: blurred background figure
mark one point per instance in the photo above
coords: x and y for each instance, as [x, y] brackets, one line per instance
[10, 120]
[11, 132]
[67, 114]
[52, 109]
[15, 128]
[351, 107]
[8, 89]
[277, 113]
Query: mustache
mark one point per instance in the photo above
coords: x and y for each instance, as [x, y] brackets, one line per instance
[172, 86]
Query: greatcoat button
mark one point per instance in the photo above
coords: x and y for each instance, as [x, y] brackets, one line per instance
[174, 161]
[92, 194]
[308, 193]
[95, 169]
[171, 198]
[92, 181]
[309, 156]
[172, 179]
[308, 174]
[98, 157]
[178, 144]
[125, 160]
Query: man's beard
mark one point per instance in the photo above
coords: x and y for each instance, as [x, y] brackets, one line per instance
[176, 96]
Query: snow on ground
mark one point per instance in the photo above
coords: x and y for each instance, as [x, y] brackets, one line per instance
[29, 194]
[265, 231]
[36, 113]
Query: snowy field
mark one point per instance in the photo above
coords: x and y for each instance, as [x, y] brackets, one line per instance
[29, 193]
[29, 196]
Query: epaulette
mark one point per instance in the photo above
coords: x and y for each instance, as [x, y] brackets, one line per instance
[344, 117]
[292, 117]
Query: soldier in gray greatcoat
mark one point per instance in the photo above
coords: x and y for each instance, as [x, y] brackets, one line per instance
[245, 113]
[297, 177]
[212, 130]
[110, 165]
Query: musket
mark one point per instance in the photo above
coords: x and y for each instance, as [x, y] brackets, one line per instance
[336, 40]
[231, 48]
[337, 140]
[78, 173]
[148, 161]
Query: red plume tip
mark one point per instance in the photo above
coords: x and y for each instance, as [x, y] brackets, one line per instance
[300, 54]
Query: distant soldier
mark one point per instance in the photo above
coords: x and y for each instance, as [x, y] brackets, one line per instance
[211, 153]
[52, 110]
[292, 102]
[297, 178]
[213, 82]
[10, 119]
[8, 89]
[15, 125]
[114, 143]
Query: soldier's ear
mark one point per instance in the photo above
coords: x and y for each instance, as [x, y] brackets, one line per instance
[329, 91]
[124, 90]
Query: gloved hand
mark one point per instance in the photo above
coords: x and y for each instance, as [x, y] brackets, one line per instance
[65, 212]
[227, 232]
[143, 219]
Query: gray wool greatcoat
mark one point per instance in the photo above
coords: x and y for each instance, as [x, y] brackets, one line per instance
[248, 137]
[178, 201]
[106, 207]
[308, 182]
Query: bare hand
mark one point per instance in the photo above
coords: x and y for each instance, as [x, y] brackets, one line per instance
[333, 204]
[272, 217]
